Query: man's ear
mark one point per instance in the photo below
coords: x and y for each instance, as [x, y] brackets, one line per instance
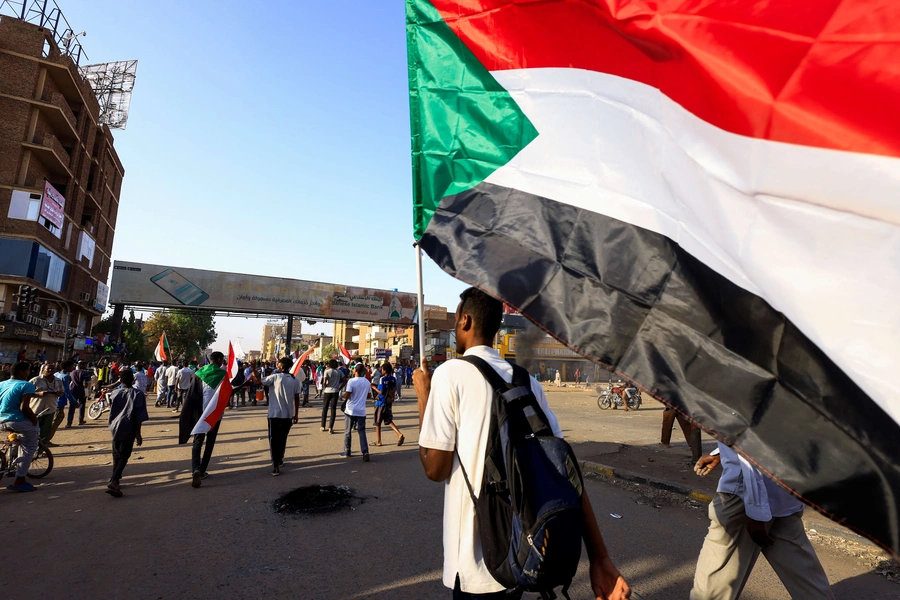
[465, 322]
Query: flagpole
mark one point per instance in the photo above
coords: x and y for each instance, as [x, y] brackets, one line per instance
[420, 310]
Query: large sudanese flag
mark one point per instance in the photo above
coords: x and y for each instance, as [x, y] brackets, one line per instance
[217, 379]
[702, 196]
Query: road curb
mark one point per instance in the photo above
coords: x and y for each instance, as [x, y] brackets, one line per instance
[661, 484]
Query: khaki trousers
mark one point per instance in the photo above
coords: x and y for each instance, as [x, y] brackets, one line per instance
[728, 555]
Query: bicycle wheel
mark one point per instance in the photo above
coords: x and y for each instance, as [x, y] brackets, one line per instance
[42, 463]
[603, 402]
[95, 410]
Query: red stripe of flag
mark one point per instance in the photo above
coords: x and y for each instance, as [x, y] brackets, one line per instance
[299, 363]
[822, 73]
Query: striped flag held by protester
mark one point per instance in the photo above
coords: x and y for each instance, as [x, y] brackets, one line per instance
[701, 196]
[162, 351]
[345, 356]
[218, 379]
[297, 369]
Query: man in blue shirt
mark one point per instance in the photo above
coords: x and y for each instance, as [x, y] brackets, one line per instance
[751, 514]
[385, 389]
[16, 415]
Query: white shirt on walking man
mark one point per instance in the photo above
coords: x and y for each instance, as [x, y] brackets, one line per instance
[454, 409]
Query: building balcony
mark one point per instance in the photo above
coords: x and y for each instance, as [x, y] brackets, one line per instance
[376, 335]
[52, 154]
[57, 113]
[62, 118]
[355, 339]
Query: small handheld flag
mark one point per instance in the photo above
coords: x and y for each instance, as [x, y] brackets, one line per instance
[297, 371]
[162, 351]
[345, 356]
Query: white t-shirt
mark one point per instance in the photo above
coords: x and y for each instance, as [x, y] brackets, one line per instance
[185, 376]
[285, 387]
[359, 391]
[171, 375]
[459, 408]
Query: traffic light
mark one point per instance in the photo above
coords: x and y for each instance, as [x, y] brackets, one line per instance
[22, 301]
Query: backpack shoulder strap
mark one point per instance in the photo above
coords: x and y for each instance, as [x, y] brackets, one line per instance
[499, 385]
[521, 376]
[492, 376]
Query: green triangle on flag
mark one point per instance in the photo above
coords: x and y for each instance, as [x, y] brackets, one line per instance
[464, 124]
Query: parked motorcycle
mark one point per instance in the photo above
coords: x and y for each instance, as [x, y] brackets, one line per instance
[611, 397]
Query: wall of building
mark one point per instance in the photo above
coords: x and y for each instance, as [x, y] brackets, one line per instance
[49, 132]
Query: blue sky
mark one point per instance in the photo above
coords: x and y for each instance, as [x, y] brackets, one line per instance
[269, 138]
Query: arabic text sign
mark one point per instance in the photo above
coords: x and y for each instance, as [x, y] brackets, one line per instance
[53, 205]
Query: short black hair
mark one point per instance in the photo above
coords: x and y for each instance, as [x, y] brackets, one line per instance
[486, 311]
[286, 363]
[21, 367]
[67, 364]
[332, 364]
[387, 367]
[126, 377]
[360, 369]
[216, 355]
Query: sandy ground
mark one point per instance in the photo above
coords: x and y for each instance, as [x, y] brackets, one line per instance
[165, 539]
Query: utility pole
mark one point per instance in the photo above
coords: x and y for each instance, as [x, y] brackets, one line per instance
[288, 335]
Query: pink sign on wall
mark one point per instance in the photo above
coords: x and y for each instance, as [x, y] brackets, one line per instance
[53, 206]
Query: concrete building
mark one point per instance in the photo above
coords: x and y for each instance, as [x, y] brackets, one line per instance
[272, 332]
[344, 332]
[60, 184]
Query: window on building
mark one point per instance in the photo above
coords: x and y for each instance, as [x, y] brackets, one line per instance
[25, 206]
[15, 256]
[49, 270]
[82, 324]
[86, 247]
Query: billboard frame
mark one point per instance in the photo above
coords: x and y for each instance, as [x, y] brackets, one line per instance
[289, 309]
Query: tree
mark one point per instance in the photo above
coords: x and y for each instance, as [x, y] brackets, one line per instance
[188, 331]
[328, 350]
[135, 341]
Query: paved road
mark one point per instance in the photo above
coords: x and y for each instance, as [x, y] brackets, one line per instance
[224, 540]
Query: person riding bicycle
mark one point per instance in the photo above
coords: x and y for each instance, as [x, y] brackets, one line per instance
[16, 415]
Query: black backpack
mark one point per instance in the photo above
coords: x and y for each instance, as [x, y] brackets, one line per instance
[528, 512]
[390, 391]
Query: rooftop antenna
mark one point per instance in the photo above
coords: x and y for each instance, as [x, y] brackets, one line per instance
[112, 83]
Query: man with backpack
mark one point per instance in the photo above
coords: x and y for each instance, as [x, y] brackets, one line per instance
[385, 390]
[473, 411]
